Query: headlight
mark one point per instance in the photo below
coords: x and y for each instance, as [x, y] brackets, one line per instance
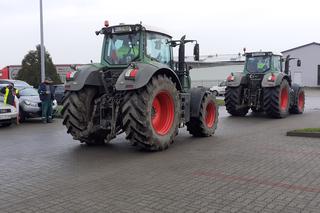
[29, 103]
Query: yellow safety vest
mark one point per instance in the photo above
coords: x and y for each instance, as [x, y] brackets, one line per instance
[6, 94]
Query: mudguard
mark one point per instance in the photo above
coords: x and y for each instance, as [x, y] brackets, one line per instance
[85, 75]
[143, 76]
[239, 78]
[197, 94]
[279, 77]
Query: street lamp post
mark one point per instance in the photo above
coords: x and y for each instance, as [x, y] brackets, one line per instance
[42, 45]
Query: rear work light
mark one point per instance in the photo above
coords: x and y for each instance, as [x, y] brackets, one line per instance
[230, 77]
[70, 75]
[131, 73]
[272, 78]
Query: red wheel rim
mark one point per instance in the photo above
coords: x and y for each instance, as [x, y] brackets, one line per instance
[162, 112]
[301, 101]
[210, 114]
[284, 98]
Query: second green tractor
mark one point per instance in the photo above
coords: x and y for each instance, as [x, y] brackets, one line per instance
[265, 85]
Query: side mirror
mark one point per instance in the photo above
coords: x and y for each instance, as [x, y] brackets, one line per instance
[299, 63]
[196, 52]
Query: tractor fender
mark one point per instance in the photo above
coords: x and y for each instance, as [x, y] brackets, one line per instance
[279, 77]
[196, 94]
[85, 75]
[145, 72]
[239, 78]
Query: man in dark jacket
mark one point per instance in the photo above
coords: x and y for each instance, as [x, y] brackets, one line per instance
[46, 92]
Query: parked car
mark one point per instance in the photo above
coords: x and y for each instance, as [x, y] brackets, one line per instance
[220, 89]
[30, 104]
[18, 84]
[59, 92]
[8, 113]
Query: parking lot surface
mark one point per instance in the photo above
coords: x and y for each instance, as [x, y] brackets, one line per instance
[249, 165]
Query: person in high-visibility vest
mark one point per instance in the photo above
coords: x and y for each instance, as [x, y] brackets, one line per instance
[9, 94]
[127, 52]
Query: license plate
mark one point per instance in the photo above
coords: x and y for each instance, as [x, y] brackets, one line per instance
[4, 117]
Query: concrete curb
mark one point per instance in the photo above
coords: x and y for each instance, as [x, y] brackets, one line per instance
[304, 134]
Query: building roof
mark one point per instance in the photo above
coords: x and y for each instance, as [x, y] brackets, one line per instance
[312, 43]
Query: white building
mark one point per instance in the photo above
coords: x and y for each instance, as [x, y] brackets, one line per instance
[309, 72]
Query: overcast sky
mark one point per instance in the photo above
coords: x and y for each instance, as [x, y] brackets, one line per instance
[224, 26]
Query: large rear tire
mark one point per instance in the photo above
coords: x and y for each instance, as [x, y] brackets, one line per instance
[298, 102]
[206, 123]
[151, 114]
[77, 111]
[276, 100]
[233, 101]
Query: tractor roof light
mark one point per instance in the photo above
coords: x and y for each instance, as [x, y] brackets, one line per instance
[272, 78]
[131, 73]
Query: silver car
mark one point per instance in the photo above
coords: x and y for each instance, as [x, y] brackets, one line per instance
[220, 89]
[30, 104]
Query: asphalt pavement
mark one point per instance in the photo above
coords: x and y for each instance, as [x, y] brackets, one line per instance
[249, 165]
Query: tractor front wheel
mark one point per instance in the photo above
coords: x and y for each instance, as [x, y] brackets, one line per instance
[151, 114]
[276, 100]
[206, 123]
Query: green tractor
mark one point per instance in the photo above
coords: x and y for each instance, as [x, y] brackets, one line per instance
[139, 89]
[264, 86]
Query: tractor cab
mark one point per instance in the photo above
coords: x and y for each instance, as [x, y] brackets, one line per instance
[127, 45]
[262, 62]
[124, 44]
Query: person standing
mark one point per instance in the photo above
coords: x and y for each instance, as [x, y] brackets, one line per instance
[46, 92]
[11, 96]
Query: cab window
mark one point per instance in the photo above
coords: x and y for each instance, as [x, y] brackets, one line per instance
[258, 64]
[122, 48]
[276, 63]
[158, 47]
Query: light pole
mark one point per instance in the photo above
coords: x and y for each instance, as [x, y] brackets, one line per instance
[41, 45]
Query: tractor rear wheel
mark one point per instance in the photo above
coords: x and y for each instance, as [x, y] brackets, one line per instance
[298, 102]
[233, 101]
[77, 111]
[206, 123]
[151, 114]
[276, 100]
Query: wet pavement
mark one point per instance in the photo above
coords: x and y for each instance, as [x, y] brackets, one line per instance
[249, 165]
